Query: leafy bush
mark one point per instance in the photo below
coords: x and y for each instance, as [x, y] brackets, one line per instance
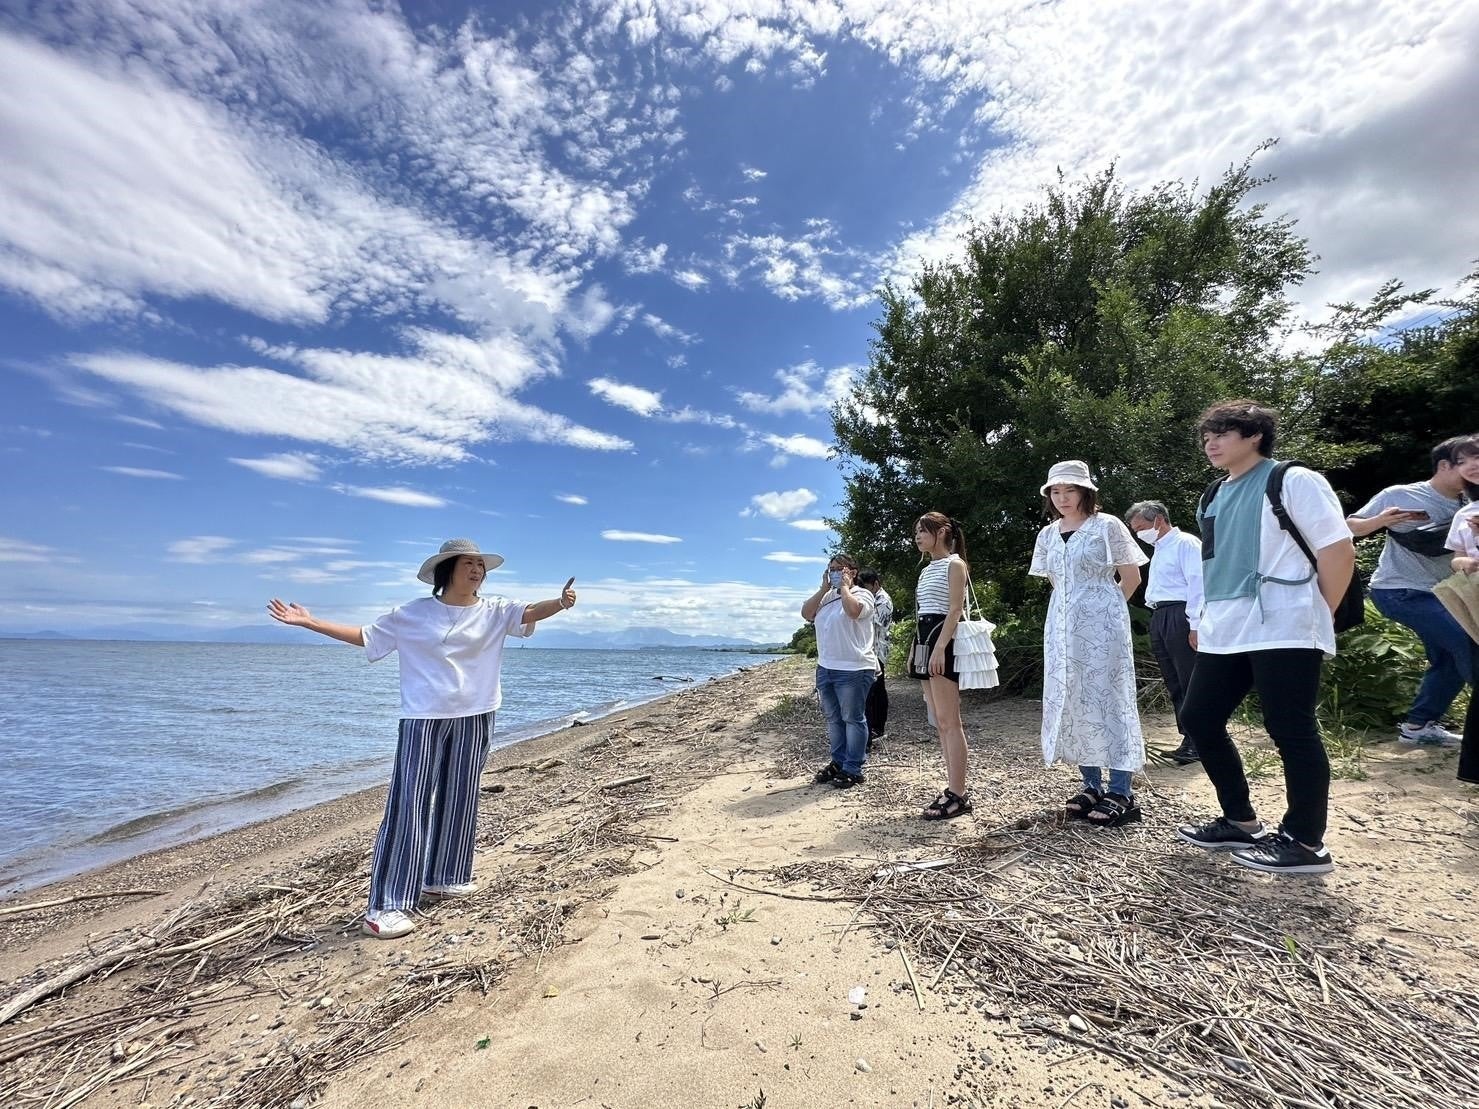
[1371, 681]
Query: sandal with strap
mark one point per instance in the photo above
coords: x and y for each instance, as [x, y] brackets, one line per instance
[947, 806]
[826, 774]
[1115, 811]
[1082, 803]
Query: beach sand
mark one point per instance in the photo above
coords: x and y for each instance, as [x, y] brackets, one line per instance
[699, 937]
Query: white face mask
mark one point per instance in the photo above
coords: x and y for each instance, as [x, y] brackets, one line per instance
[1147, 535]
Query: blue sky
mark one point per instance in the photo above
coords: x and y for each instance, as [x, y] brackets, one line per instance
[292, 292]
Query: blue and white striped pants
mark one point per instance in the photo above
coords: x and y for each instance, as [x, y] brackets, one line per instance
[431, 813]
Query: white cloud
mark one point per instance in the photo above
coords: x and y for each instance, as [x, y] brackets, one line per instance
[200, 548]
[640, 258]
[805, 266]
[644, 402]
[801, 446]
[796, 559]
[1362, 97]
[664, 330]
[18, 550]
[134, 471]
[781, 506]
[691, 279]
[429, 405]
[268, 555]
[757, 539]
[288, 467]
[811, 525]
[637, 537]
[394, 494]
[571, 498]
[751, 173]
[805, 388]
[138, 421]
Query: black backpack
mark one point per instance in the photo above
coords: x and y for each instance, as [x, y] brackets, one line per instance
[1351, 612]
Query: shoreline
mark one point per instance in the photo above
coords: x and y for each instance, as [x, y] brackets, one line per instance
[672, 914]
[27, 876]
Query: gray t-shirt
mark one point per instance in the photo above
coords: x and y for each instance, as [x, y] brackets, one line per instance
[1400, 568]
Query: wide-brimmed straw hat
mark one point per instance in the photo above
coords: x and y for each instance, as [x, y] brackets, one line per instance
[456, 548]
[1072, 472]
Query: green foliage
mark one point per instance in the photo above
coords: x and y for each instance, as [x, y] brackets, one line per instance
[1097, 325]
[804, 641]
[1372, 680]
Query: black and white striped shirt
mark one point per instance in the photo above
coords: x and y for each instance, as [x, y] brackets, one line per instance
[933, 594]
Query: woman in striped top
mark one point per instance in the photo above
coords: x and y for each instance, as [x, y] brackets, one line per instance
[939, 599]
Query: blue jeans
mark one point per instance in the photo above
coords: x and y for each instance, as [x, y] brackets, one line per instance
[1119, 780]
[844, 694]
[1448, 646]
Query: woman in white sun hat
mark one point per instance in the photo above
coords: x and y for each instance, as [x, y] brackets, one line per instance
[451, 652]
[1089, 714]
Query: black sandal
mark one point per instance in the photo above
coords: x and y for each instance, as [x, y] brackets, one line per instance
[1114, 811]
[947, 806]
[826, 773]
[1082, 803]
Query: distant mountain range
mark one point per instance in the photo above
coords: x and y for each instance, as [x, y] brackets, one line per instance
[627, 639]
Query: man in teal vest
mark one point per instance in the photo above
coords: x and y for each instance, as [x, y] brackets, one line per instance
[1267, 624]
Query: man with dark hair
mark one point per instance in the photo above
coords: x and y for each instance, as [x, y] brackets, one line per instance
[1267, 624]
[1414, 559]
[1174, 595]
[876, 707]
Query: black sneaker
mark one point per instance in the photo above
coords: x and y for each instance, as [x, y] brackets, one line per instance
[1281, 853]
[826, 773]
[1220, 835]
[843, 780]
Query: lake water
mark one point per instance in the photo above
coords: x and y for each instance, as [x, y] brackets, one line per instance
[110, 749]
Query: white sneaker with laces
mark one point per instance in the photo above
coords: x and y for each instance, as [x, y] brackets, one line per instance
[1428, 735]
[461, 889]
[388, 924]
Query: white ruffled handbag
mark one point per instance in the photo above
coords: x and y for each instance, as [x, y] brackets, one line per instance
[975, 657]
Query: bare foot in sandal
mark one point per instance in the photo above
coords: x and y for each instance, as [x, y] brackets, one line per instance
[1115, 811]
[947, 806]
[1082, 802]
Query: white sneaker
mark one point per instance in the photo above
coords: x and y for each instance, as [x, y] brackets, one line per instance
[461, 889]
[1428, 734]
[389, 924]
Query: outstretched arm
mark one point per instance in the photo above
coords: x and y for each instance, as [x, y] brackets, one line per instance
[299, 617]
[542, 610]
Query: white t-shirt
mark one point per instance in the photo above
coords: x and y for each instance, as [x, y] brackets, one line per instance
[1463, 534]
[845, 642]
[450, 655]
[1291, 616]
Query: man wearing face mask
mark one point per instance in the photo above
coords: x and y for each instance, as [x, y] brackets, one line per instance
[843, 614]
[1174, 593]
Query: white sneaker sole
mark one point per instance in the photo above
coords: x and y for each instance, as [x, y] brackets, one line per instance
[385, 933]
[449, 893]
[1224, 845]
[1303, 868]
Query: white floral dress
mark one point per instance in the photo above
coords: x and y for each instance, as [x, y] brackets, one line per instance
[1089, 715]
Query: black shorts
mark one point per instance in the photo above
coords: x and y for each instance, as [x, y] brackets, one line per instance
[928, 633]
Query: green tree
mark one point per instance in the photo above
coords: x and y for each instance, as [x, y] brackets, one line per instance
[1377, 401]
[1095, 324]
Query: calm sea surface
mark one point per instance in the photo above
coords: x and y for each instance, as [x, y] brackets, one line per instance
[110, 749]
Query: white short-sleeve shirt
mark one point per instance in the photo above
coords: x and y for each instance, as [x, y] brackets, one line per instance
[1290, 616]
[1463, 533]
[845, 642]
[450, 656]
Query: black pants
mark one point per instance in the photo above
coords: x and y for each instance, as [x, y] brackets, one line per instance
[876, 708]
[1288, 685]
[1468, 754]
[1170, 639]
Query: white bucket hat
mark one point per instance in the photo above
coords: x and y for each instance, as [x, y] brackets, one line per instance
[455, 548]
[1072, 472]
